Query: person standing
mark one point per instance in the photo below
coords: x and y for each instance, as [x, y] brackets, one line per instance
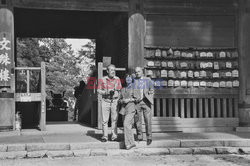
[109, 87]
[78, 92]
[144, 99]
[127, 101]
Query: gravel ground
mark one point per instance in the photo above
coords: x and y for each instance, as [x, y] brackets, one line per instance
[173, 160]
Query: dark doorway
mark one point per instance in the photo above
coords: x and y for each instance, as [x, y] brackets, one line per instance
[109, 29]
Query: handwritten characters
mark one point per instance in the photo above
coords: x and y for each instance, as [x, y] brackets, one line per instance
[4, 75]
[4, 59]
[3, 44]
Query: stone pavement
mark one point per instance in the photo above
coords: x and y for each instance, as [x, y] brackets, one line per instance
[74, 140]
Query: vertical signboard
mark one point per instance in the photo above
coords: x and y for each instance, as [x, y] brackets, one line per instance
[7, 79]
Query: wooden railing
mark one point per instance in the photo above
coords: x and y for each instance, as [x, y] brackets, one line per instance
[35, 97]
[196, 103]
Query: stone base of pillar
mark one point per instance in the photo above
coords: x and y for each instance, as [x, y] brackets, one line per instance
[243, 129]
[244, 117]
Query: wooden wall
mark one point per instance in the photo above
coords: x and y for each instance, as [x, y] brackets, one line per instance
[113, 40]
[196, 24]
[83, 5]
[190, 31]
[184, 7]
[122, 38]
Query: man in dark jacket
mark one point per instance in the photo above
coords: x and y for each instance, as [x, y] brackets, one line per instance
[144, 96]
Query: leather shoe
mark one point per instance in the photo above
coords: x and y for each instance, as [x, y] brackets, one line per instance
[149, 141]
[114, 139]
[139, 140]
[130, 147]
[104, 139]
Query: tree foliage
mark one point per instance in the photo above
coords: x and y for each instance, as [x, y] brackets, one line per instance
[64, 69]
[86, 59]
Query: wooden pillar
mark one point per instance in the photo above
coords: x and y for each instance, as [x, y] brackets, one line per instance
[244, 50]
[136, 34]
[43, 98]
[7, 72]
[99, 107]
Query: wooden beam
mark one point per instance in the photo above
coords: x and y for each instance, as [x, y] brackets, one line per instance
[82, 5]
[192, 10]
[166, 95]
[27, 68]
[136, 33]
[198, 7]
[200, 91]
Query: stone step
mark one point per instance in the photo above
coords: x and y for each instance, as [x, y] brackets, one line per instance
[122, 152]
[158, 147]
[181, 143]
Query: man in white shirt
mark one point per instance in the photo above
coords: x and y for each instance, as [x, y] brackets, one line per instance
[109, 87]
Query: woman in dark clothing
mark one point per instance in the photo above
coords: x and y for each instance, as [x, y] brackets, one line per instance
[127, 102]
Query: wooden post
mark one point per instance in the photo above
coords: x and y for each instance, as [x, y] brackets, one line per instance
[158, 107]
[182, 108]
[200, 114]
[212, 107]
[194, 108]
[170, 107]
[28, 81]
[99, 113]
[188, 108]
[176, 107]
[244, 41]
[43, 98]
[136, 34]
[206, 108]
[164, 111]
[244, 49]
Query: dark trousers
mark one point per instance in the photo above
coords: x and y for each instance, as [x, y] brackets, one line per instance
[144, 109]
[76, 110]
